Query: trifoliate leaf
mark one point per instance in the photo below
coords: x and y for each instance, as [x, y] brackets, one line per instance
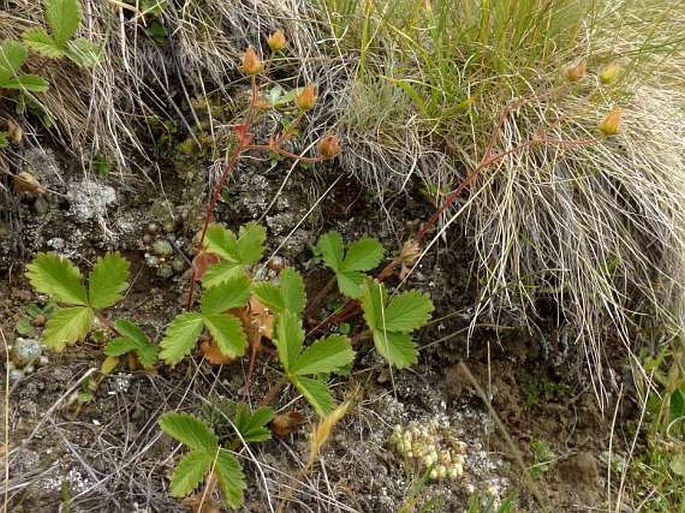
[228, 333]
[180, 337]
[223, 242]
[252, 425]
[363, 255]
[232, 293]
[231, 479]
[408, 311]
[289, 338]
[66, 326]
[316, 392]
[108, 280]
[41, 42]
[399, 349]
[132, 339]
[269, 295]
[292, 290]
[219, 273]
[64, 17]
[190, 472]
[330, 248]
[83, 53]
[251, 243]
[328, 354]
[52, 274]
[12, 57]
[31, 83]
[190, 431]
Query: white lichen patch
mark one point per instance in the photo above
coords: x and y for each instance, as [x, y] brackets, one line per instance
[431, 446]
[90, 199]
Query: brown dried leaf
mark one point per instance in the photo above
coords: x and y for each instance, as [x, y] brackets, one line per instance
[201, 503]
[202, 261]
[212, 354]
[285, 423]
[261, 318]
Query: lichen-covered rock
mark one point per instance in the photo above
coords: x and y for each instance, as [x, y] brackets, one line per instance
[26, 352]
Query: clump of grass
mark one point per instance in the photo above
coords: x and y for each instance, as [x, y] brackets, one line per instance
[510, 95]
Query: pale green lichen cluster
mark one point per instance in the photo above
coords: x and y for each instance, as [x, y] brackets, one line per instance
[431, 447]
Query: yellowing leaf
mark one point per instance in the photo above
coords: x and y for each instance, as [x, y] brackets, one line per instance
[54, 275]
[66, 326]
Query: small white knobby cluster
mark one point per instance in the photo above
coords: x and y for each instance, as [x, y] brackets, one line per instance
[431, 445]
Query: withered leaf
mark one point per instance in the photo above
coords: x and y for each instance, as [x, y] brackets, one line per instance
[285, 423]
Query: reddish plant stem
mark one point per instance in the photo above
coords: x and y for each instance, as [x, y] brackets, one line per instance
[241, 144]
[285, 153]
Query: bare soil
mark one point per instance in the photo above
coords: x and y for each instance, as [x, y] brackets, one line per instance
[109, 454]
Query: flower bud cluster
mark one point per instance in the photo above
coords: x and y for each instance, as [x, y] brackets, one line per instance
[431, 446]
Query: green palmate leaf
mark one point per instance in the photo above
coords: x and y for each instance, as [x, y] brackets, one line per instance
[190, 431]
[251, 243]
[12, 57]
[190, 472]
[252, 425]
[269, 295]
[222, 272]
[51, 274]
[231, 479]
[363, 255]
[289, 338]
[316, 392]
[83, 53]
[108, 280]
[132, 339]
[180, 337]
[232, 293]
[292, 290]
[64, 17]
[330, 247]
[228, 333]
[399, 349]
[4, 141]
[329, 354]
[66, 326]
[223, 242]
[40, 41]
[31, 83]
[408, 311]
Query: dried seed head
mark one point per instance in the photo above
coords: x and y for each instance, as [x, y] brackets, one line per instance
[251, 65]
[611, 123]
[576, 72]
[329, 146]
[307, 98]
[14, 131]
[277, 41]
[410, 252]
[26, 183]
[609, 73]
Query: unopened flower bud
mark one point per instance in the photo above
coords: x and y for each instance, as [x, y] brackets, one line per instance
[611, 123]
[307, 98]
[609, 73]
[576, 72]
[277, 41]
[329, 146]
[252, 65]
